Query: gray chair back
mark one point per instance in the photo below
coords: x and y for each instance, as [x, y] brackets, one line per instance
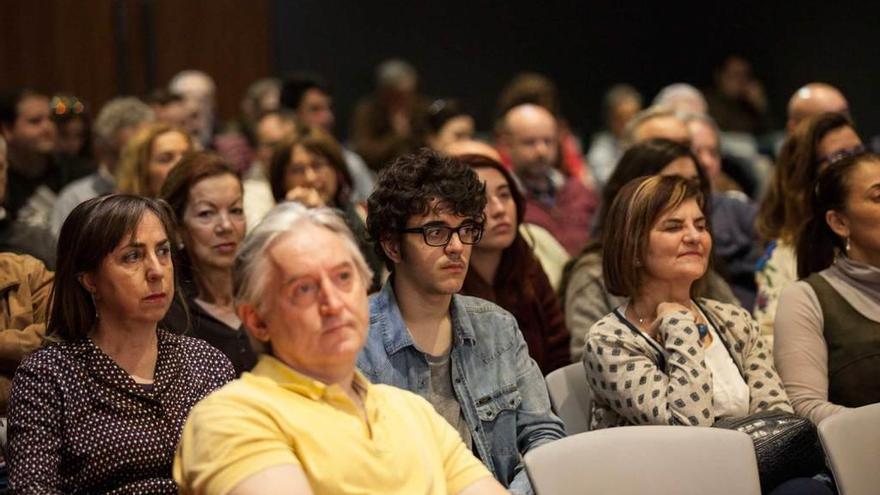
[634, 460]
[852, 443]
[570, 397]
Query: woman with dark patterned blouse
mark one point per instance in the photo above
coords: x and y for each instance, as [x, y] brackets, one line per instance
[101, 408]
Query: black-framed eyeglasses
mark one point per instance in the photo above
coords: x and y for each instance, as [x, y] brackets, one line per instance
[439, 235]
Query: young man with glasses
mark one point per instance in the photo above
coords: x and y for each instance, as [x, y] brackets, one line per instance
[466, 356]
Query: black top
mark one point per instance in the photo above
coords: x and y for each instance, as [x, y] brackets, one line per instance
[78, 423]
[198, 323]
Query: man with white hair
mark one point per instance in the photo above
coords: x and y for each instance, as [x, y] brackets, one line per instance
[118, 120]
[305, 420]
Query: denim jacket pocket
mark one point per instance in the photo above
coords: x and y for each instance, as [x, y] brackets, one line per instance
[490, 407]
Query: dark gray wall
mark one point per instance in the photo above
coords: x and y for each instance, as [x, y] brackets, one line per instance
[469, 50]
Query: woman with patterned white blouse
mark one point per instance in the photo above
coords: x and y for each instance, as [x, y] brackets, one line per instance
[665, 357]
[101, 408]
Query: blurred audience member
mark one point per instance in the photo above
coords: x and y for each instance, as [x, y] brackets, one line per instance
[656, 122]
[148, 157]
[263, 95]
[785, 210]
[199, 94]
[309, 169]
[735, 240]
[558, 202]
[621, 103]
[538, 89]
[737, 101]
[681, 98]
[118, 120]
[34, 176]
[503, 269]
[73, 147]
[205, 194]
[124, 382]
[447, 123]
[169, 108]
[388, 124]
[305, 420]
[19, 237]
[272, 129]
[827, 326]
[25, 288]
[813, 99]
[311, 99]
[584, 294]
[544, 246]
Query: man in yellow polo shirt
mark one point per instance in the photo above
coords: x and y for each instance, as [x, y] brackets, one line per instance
[304, 421]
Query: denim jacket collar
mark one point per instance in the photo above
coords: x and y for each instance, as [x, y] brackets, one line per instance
[385, 313]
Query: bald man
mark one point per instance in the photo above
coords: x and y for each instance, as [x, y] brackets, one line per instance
[558, 202]
[813, 99]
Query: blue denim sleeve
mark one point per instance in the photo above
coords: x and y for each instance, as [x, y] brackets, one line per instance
[535, 422]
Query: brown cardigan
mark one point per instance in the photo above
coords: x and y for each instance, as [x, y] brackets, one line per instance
[537, 311]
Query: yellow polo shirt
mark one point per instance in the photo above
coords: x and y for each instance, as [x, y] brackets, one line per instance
[274, 415]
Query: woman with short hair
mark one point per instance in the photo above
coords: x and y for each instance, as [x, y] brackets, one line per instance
[101, 408]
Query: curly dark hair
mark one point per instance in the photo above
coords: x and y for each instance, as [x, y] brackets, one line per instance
[410, 186]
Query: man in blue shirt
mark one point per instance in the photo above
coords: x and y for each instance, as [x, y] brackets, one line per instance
[464, 355]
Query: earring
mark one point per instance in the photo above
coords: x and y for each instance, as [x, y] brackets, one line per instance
[95, 304]
[847, 246]
[637, 263]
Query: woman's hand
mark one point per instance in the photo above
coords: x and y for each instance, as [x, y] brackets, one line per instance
[306, 195]
[668, 308]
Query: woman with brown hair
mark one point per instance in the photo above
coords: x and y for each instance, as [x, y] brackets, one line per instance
[828, 323]
[101, 408]
[504, 270]
[148, 157]
[310, 169]
[205, 193]
[586, 299]
[785, 209]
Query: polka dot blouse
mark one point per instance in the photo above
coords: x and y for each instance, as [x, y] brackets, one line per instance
[79, 423]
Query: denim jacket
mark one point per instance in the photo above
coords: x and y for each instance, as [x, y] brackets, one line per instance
[502, 393]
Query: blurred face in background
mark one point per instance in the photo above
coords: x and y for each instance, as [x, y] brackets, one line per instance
[34, 129]
[460, 128]
[271, 130]
[704, 143]
[71, 137]
[316, 109]
[166, 150]
[532, 140]
[622, 113]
